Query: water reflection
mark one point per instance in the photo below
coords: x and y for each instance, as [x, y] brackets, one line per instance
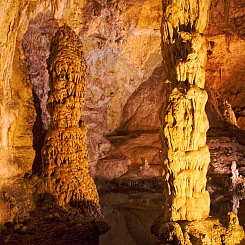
[130, 217]
[132, 214]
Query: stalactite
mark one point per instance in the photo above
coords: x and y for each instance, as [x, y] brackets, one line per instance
[65, 164]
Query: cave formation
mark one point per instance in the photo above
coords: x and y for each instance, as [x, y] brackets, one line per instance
[185, 120]
[185, 125]
[162, 99]
[64, 162]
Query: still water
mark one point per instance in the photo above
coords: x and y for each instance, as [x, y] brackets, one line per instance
[131, 215]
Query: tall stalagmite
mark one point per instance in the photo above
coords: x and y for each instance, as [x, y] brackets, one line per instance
[65, 164]
[184, 120]
[187, 203]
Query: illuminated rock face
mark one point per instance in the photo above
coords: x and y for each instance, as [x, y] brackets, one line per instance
[208, 231]
[184, 120]
[65, 165]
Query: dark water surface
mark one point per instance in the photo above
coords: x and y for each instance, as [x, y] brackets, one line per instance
[131, 215]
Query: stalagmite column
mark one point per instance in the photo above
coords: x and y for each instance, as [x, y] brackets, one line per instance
[184, 120]
[65, 164]
[185, 123]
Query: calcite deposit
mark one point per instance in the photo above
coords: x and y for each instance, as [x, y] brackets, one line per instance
[208, 231]
[65, 159]
[185, 124]
[226, 54]
[124, 93]
[184, 119]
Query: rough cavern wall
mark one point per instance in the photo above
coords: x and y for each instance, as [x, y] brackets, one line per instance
[107, 44]
[225, 64]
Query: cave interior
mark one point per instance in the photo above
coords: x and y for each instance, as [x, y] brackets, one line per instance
[134, 79]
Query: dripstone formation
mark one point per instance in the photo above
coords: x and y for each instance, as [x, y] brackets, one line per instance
[66, 209]
[184, 124]
[185, 121]
[65, 158]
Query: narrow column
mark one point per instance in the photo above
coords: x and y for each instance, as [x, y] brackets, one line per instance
[184, 120]
[184, 126]
[64, 156]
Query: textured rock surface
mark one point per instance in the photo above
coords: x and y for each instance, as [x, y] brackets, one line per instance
[109, 31]
[208, 231]
[115, 67]
[14, 21]
[223, 151]
[225, 65]
[65, 162]
[141, 111]
[115, 36]
[22, 138]
[36, 44]
[184, 119]
[122, 49]
[64, 193]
